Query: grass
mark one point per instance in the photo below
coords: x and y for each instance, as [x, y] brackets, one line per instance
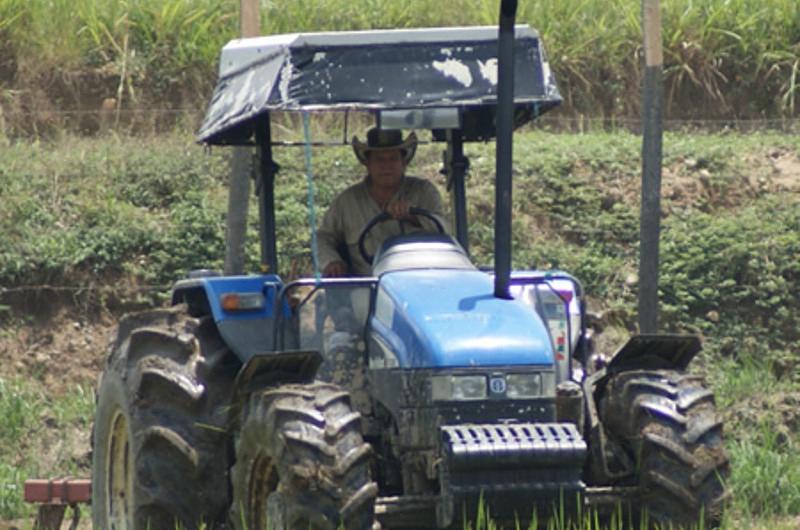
[761, 435]
[25, 409]
[151, 209]
[766, 475]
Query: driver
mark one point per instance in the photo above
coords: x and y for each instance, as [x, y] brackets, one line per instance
[386, 188]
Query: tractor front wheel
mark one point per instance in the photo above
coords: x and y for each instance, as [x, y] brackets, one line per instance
[301, 462]
[667, 422]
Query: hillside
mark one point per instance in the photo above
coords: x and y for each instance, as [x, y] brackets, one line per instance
[92, 228]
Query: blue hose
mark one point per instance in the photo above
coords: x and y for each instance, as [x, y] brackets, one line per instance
[312, 212]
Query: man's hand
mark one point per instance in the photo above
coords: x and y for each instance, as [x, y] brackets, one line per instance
[399, 210]
[335, 269]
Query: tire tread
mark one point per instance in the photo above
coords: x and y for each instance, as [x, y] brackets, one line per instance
[159, 372]
[675, 437]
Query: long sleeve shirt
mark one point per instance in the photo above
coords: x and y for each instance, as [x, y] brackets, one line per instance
[352, 209]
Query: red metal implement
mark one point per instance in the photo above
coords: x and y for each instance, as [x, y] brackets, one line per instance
[54, 496]
[58, 491]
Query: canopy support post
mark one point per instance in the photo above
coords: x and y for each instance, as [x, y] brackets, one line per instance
[504, 149]
[456, 166]
[265, 189]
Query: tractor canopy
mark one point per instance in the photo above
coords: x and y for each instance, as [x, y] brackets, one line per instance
[450, 70]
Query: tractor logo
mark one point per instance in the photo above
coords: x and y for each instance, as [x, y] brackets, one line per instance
[497, 385]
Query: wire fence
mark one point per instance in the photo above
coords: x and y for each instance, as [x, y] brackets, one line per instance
[44, 299]
[30, 123]
[587, 124]
[83, 288]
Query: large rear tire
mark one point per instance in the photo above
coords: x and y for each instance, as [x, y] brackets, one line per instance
[160, 447]
[301, 462]
[667, 422]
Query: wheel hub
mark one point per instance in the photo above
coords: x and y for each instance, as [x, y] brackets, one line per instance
[120, 475]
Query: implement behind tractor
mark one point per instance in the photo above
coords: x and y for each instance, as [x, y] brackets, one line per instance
[411, 397]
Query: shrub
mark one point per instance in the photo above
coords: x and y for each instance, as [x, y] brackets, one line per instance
[733, 275]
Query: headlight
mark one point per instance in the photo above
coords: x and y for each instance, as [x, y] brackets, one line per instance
[523, 385]
[458, 387]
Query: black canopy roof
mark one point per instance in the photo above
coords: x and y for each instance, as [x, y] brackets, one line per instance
[374, 71]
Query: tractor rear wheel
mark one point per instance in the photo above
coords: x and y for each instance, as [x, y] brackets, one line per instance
[160, 450]
[667, 422]
[301, 462]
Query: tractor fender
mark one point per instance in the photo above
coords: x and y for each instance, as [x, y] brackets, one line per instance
[248, 330]
[655, 352]
[203, 294]
[276, 368]
[641, 352]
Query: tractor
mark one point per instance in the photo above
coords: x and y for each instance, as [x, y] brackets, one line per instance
[415, 397]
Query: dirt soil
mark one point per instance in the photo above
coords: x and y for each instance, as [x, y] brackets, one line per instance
[60, 352]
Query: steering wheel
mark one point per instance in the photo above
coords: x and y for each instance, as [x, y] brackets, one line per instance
[383, 217]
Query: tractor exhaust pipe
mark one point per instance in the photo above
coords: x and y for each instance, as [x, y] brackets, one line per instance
[503, 153]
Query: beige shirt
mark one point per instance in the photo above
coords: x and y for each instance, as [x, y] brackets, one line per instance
[352, 209]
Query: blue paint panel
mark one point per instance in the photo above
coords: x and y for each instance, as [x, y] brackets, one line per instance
[268, 285]
[450, 318]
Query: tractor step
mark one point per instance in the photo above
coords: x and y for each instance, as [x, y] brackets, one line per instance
[408, 511]
[607, 500]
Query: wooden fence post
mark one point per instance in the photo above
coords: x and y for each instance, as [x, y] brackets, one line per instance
[241, 166]
[650, 217]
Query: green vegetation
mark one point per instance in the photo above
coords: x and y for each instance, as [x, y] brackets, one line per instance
[26, 415]
[129, 216]
[149, 210]
[141, 207]
[723, 58]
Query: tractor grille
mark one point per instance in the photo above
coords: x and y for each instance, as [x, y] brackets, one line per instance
[489, 446]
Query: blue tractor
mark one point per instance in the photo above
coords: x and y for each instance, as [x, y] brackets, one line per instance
[408, 398]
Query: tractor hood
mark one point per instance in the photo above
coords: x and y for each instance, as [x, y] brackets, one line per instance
[373, 70]
[449, 318]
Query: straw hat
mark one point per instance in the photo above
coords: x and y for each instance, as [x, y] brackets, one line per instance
[383, 140]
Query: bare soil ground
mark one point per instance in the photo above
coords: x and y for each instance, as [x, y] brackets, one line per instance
[60, 351]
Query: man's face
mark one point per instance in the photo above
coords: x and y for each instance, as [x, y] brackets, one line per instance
[386, 168]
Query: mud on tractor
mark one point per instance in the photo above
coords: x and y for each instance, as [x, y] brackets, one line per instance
[407, 398]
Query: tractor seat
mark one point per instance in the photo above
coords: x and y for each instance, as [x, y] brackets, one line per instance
[420, 251]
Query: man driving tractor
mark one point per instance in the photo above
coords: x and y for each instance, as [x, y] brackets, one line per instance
[386, 188]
